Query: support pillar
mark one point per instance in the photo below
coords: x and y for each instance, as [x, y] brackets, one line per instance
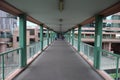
[41, 36]
[73, 37]
[98, 41]
[79, 37]
[22, 39]
[69, 36]
[47, 36]
[51, 36]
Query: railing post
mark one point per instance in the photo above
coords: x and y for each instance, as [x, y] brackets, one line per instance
[47, 36]
[79, 37]
[3, 68]
[22, 39]
[73, 37]
[98, 41]
[117, 68]
[41, 36]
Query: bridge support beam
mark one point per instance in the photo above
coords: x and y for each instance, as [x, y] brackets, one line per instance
[79, 37]
[22, 39]
[41, 36]
[98, 40]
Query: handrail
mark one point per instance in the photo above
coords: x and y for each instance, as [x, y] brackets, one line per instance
[32, 44]
[116, 55]
[6, 52]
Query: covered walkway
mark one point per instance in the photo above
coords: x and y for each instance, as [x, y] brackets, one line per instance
[59, 62]
[57, 19]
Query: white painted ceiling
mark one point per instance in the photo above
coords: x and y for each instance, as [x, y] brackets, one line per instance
[75, 11]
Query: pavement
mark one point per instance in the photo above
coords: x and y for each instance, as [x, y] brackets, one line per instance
[59, 62]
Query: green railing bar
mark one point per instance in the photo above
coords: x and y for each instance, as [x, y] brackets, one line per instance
[32, 44]
[117, 68]
[3, 68]
[111, 53]
[8, 52]
[3, 53]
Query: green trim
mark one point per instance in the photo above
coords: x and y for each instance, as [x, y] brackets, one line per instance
[22, 39]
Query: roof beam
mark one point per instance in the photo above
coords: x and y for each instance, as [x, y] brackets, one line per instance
[5, 6]
[106, 12]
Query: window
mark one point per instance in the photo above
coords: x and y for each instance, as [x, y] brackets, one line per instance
[32, 41]
[116, 24]
[116, 17]
[32, 31]
[17, 39]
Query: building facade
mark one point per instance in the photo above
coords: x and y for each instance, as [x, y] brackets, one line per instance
[7, 24]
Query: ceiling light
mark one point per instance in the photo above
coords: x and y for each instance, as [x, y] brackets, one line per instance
[60, 19]
[61, 5]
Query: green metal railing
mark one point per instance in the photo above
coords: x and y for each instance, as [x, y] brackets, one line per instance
[49, 40]
[76, 43]
[33, 49]
[88, 50]
[109, 60]
[44, 43]
[9, 61]
[104, 37]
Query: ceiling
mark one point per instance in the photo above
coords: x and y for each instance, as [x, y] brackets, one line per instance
[75, 11]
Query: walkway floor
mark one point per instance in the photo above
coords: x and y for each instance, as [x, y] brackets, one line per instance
[59, 62]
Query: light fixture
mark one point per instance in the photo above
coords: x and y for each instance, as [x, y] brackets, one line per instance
[61, 5]
[60, 19]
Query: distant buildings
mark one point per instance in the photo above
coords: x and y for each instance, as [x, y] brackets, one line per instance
[111, 33]
[33, 35]
[9, 33]
[7, 24]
